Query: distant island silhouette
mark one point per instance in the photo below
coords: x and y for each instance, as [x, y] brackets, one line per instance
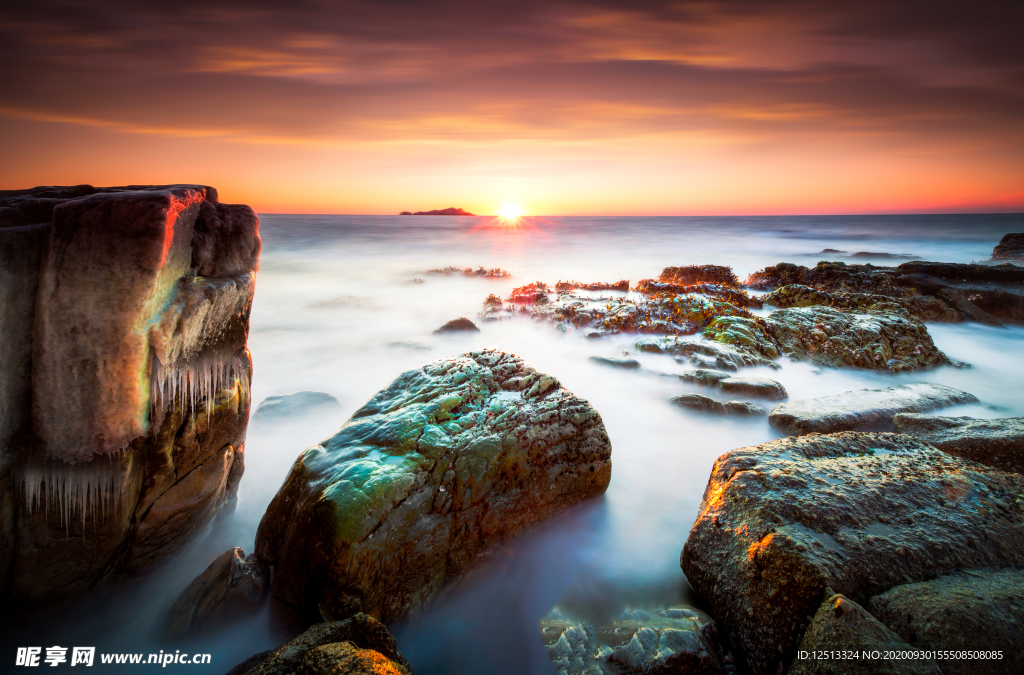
[450, 211]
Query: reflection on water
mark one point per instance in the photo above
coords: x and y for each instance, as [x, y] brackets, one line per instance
[335, 312]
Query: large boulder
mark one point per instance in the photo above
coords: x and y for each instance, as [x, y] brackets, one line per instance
[443, 465]
[127, 396]
[841, 637]
[922, 307]
[863, 409]
[232, 586]
[357, 645]
[856, 512]
[876, 339]
[1010, 247]
[699, 274]
[968, 611]
[996, 442]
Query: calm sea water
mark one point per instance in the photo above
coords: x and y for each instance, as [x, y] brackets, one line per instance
[333, 294]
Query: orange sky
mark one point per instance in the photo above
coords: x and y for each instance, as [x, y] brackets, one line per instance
[564, 107]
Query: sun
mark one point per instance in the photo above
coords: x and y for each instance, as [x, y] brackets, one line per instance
[510, 211]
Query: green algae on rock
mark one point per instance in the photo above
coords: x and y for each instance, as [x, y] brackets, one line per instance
[856, 512]
[446, 463]
[841, 625]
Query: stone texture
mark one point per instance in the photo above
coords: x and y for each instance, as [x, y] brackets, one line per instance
[841, 625]
[125, 403]
[444, 464]
[973, 610]
[706, 404]
[232, 586]
[995, 442]
[460, 325]
[1010, 247]
[872, 339]
[705, 353]
[699, 274]
[616, 362]
[921, 307]
[856, 512]
[750, 387]
[665, 641]
[362, 632]
[863, 409]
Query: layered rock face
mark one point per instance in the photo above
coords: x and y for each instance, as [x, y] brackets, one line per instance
[996, 442]
[126, 402]
[859, 513]
[447, 462]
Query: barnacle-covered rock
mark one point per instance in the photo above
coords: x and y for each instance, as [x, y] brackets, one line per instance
[433, 472]
[856, 512]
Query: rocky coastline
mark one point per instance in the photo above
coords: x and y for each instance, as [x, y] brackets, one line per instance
[873, 522]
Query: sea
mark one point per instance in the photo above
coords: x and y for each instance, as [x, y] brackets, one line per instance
[344, 304]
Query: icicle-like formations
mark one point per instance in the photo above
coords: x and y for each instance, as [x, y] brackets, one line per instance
[189, 383]
[89, 491]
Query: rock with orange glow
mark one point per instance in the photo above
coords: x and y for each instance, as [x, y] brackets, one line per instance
[128, 419]
[434, 472]
[856, 512]
[699, 274]
[356, 646]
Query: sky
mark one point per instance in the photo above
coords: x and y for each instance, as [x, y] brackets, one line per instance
[565, 108]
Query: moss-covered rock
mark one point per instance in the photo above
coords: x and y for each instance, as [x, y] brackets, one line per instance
[856, 512]
[446, 463]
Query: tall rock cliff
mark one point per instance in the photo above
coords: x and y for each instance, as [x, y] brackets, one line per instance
[124, 396]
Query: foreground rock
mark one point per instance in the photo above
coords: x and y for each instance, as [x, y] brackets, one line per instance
[460, 325]
[232, 586]
[436, 470]
[996, 442]
[856, 512]
[127, 421]
[1010, 247]
[964, 611]
[841, 625]
[751, 387]
[298, 404]
[354, 646]
[674, 640]
[863, 409]
[706, 404]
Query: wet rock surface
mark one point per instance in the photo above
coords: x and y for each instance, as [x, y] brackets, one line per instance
[616, 362]
[750, 387]
[357, 645]
[297, 404]
[479, 272]
[841, 625]
[923, 308]
[699, 274]
[232, 586]
[446, 463]
[705, 353]
[995, 442]
[863, 409]
[1010, 247]
[460, 325]
[136, 397]
[664, 641]
[972, 610]
[856, 512]
[706, 404]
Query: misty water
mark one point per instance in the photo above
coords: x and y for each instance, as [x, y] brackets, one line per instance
[335, 292]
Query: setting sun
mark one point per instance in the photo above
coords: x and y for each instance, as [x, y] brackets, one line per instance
[510, 211]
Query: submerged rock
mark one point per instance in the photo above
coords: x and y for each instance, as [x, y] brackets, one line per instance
[446, 463]
[706, 404]
[232, 586]
[460, 325]
[856, 512]
[1010, 247]
[995, 442]
[673, 640]
[705, 353]
[751, 387]
[965, 611]
[357, 645]
[873, 339]
[841, 625]
[616, 362]
[300, 403]
[863, 409]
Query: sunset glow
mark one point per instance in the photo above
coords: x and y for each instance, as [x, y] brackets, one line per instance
[510, 211]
